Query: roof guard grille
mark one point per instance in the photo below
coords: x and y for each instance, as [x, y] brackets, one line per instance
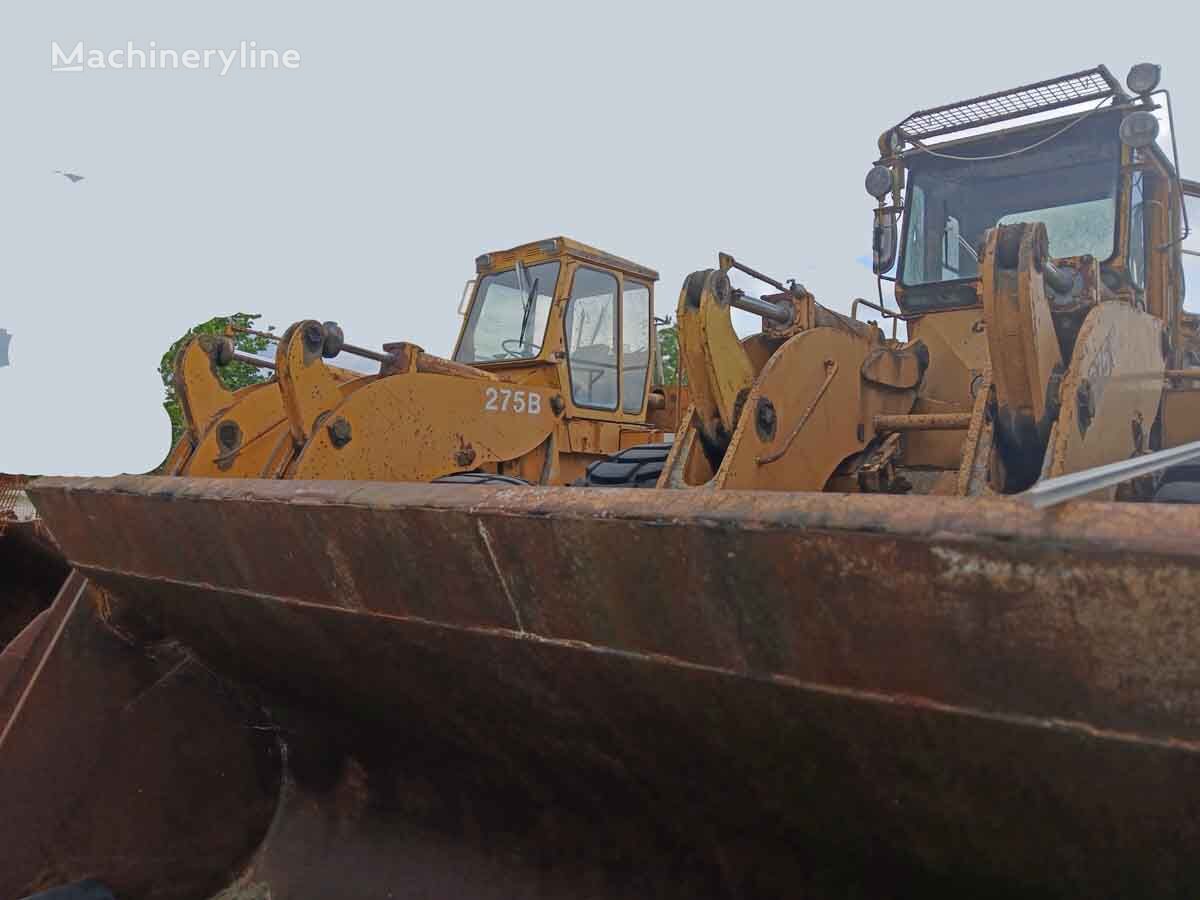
[1041, 96]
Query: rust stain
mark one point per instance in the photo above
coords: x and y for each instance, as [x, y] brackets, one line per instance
[899, 677]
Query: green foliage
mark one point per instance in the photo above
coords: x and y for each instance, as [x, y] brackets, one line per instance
[668, 348]
[233, 376]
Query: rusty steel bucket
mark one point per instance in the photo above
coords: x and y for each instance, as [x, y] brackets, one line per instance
[555, 692]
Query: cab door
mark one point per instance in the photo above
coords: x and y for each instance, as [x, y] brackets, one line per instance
[1181, 399]
[607, 331]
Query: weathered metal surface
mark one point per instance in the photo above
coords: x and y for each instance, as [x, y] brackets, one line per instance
[975, 471]
[1110, 392]
[202, 395]
[31, 571]
[1023, 345]
[125, 762]
[924, 422]
[1180, 417]
[415, 426]
[720, 372]
[823, 408]
[31, 567]
[945, 693]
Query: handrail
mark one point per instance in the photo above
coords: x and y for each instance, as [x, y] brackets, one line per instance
[1052, 491]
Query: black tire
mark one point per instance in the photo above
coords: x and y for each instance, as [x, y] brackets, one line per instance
[1180, 484]
[1178, 492]
[637, 467]
[1184, 472]
[478, 478]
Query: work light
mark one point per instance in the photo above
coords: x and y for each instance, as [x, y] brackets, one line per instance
[1143, 78]
[879, 181]
[1139, 129]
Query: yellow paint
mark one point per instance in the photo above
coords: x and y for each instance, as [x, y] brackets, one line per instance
[719, 369]
[833, 422]
[416, 427]
[200, 392]
[1020, 333]
[1119, 356]
[425, 417]
[1181, 417]
[308, 387]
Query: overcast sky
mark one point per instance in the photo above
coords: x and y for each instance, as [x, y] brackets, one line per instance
[361, 186]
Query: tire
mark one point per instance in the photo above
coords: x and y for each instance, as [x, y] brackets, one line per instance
[1180, 484]
[637, 467]
[1178, 492]
[478, 478]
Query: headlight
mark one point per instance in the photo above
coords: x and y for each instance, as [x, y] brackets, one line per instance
[1139, 129]
[1143, 78]
[879, 182]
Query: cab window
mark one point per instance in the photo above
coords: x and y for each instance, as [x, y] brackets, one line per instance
[635, 344]
[591, 334]
[1191, 254]
[1137, 230]
[509, 315]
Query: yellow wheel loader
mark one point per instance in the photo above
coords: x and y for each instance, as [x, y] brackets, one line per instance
[1040, 283]
[552, 371]
[902, 617]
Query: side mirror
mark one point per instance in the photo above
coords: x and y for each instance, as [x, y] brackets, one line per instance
[884, 241]
[465, 300]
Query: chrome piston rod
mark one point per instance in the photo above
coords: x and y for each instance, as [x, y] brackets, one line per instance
[1078, 484]
[776, 312]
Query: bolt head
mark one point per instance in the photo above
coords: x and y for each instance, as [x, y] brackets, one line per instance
[229, 435]
[339, 432]
[224, 352]
[765, 419]
[314, 337]
[333, 340]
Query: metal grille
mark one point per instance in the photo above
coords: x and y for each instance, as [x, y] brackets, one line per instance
[14, 502]
[1080, 87]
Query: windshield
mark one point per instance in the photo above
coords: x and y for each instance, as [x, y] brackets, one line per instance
[509, 315]
[1069, 183]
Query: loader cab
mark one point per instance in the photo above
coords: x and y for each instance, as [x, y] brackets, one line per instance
[1074, 169]
[563, 313]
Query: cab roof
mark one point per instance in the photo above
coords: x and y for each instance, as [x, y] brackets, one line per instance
[550, 248]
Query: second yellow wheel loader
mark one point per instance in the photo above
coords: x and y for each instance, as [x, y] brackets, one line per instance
[553, 369]
[1040, 281]
[855, 644]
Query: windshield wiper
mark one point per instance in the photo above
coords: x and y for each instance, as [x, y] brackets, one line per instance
[525, 342]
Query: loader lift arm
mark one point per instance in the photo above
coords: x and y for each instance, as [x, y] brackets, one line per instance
[811, 370]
